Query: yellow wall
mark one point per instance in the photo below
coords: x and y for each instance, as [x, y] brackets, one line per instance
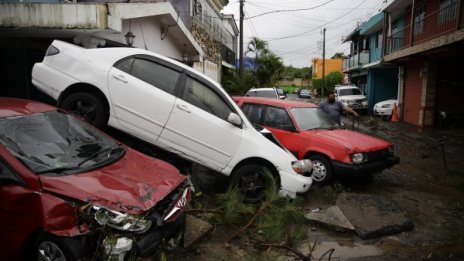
[330, 66]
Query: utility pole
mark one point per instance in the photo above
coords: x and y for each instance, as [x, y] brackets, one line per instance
[323, 63]
[241, 40]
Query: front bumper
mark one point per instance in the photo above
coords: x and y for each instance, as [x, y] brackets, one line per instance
[364, 169]
[292, 183]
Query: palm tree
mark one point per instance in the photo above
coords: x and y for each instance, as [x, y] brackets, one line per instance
[257, 48]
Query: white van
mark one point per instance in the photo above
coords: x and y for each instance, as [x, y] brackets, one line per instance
[168, 104]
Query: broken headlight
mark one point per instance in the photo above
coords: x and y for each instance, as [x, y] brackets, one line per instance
[120, 221]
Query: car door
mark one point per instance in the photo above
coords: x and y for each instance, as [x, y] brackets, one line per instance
[198, 127]
[18, 211]
[142, 92]
[278, 121]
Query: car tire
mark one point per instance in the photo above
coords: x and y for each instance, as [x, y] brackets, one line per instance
[51, 247]
[322, 169]
[88, 106]
[253, 181]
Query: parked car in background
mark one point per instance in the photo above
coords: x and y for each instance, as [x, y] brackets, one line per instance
[305, 93]
[274, 93]
[170, 105]
[68, 191]
[309, 133]
[384, 109]
[351, 96]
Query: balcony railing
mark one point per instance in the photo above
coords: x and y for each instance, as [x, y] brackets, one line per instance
[356, 61]
[440, 22]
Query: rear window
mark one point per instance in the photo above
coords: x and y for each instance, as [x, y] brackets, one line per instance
[266, 94]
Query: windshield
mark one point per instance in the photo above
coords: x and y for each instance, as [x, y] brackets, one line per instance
[55, 142]
[263, 93]
[353, 91]
[312, 118]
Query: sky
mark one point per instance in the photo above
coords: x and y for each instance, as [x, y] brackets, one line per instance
[294, 34]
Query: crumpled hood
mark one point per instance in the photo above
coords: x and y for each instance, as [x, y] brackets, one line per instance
[133, 184]
[355, 141]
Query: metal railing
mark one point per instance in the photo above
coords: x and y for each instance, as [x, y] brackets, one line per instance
[356, 61]
[440, 22]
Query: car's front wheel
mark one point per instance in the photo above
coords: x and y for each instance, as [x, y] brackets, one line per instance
[322, 169]
[88, 106]
[53, 248]
[253, 181]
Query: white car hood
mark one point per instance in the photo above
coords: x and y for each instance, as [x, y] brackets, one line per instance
[351, 97]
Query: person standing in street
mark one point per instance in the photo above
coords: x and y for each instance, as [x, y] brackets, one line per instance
[335, 108]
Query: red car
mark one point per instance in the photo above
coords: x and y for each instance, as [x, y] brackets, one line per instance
[68, 191]
[309, 133]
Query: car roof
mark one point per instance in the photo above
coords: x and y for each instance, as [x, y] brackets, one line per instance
[276, 102]
[262, 89]
[18, 107]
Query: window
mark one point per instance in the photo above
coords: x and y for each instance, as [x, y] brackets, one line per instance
[253, 112]
[379, 38]
[125, 65]
[6, 175]
[278, 118]
[447, 11]
[419, 16]
[155, 74]
[206, 99]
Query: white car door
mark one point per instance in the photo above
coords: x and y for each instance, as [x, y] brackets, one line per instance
[198, 126]
[142, 94]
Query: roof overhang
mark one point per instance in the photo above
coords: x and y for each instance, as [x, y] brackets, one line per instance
[67, 20]
[373, 25]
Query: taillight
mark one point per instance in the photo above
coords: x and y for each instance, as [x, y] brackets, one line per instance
[52, 50]
[179, 206]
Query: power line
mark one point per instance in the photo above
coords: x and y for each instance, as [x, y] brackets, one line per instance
[291, 10]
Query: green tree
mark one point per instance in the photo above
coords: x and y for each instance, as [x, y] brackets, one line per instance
[256, 48]
[339, 56]
[333, 79]
[233, 84]
[270, 69]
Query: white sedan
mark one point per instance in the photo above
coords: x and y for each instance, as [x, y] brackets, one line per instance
[168, 104]
[385, 108]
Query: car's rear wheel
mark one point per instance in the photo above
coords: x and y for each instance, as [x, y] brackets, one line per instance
[88, 106]
[322, 169]
[53, 248]
[253, 181]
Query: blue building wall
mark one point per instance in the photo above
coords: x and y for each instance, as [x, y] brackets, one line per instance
[375, 53]
[382, 84]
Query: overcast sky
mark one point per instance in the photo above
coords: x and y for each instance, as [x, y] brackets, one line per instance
[294, 35]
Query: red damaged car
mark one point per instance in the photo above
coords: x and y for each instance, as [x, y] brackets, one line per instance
[68, 191]
[309, 133]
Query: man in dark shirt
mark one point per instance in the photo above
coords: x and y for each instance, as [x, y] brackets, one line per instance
[335, 108]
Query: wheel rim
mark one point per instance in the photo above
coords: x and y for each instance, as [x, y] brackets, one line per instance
[252, 185]
[84, 109]
[319, 171]
[49, 251]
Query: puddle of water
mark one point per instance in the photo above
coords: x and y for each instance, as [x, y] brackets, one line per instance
[342, 250]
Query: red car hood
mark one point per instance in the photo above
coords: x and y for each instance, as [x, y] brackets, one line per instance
[352, 140]
[133, 184]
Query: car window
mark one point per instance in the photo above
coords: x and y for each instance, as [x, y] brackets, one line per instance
[353, 91]
[155, 74]
[277, 118]
[253, 112]
[200, 95]
[125, 65]
[6, 174]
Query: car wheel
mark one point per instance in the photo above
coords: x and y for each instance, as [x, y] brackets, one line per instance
[322, 169]
[252, 180]
[88, 106]
[53, 248]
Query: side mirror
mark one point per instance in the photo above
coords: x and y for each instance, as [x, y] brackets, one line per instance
[234, 119]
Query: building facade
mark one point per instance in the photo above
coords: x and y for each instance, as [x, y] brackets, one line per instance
[426, 39]
[331, 65]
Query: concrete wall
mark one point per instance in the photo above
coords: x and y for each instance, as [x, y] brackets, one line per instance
[330, 66]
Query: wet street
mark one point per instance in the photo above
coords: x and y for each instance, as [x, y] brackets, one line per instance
[427, 185]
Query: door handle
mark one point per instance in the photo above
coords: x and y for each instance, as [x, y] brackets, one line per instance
[183, 108]
[120, 78]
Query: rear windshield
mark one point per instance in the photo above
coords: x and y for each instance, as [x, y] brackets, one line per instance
[56, 142]
[266, 94]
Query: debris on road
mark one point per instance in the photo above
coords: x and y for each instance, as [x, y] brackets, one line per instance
[331, 217]
[195, 230]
